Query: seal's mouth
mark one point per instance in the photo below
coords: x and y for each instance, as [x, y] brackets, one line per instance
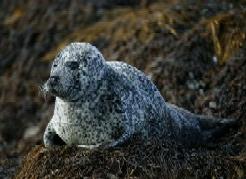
[54, 92]
[57, 90]
[47, 89]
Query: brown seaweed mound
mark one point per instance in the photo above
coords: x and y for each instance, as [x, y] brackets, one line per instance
[149, 160]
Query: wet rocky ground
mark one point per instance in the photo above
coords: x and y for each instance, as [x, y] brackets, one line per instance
[194, 51]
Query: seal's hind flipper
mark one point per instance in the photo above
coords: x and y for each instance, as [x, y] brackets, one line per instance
[213, 128]
[209, 122]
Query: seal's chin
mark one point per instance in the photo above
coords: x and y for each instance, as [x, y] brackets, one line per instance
[66, 94]
[54, 92]
[61, 93]
[48, 89]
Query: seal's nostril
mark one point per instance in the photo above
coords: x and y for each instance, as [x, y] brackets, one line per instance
[54, 79]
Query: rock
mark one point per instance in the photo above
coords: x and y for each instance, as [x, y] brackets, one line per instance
[31, 132]
[212, 105]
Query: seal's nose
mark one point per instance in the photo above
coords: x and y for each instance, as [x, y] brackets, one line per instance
[54, 80]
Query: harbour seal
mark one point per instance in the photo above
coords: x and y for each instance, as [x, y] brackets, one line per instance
[105, 103]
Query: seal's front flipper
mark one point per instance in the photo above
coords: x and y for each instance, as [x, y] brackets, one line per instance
[51, 138]
[109, 145]
[124, 138]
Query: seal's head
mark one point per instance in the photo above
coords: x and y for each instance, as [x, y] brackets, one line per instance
[75, 70]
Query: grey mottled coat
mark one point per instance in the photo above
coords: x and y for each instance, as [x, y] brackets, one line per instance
[101, 103]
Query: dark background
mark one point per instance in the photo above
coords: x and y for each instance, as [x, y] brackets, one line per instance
[193, 50]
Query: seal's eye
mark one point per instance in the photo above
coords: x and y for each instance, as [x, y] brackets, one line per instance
[72, 65]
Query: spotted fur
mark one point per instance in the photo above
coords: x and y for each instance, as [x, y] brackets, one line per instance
[101, 103]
